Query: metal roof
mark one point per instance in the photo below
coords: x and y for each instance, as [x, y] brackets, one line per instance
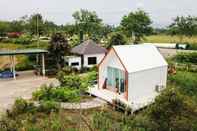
[140, 57]
[22, 51]
[88, 47]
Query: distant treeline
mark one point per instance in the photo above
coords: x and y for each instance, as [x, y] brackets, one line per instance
[134, 26]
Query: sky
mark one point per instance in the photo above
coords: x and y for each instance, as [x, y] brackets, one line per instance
[162, 12]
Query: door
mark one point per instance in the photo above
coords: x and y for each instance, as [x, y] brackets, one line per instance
[116, 79]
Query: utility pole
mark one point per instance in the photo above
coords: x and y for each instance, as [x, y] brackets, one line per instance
[37, 34]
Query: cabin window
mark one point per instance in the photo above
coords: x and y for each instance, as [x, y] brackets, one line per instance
[74, 63]
[92, 60]
[116, 79]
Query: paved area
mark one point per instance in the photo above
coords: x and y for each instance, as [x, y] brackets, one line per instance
[96, 102]
[22, 87]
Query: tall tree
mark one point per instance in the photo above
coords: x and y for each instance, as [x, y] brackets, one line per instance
[36, 24]
[87, 22]
[137, 24]
[58, 48]
[184, 26]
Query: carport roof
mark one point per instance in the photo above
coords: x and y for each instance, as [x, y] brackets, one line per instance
[22, 51]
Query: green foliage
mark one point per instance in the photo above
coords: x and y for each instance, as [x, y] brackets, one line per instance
[72, 81]
[88, 23]
[173, 111]
[58, 48]
[59, 94]
[21, 106]
[91, 78]
[24, 64]
[183, 26]
[48, 107]
[101, 121]
[116, 38]
[186, 81]
[4, 28]
[136, 24]
[192, 46]
[186, 57]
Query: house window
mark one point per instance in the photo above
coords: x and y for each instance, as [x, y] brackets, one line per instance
[92, 60]
[75, 64]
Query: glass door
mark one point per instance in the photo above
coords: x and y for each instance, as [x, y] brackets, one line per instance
[116, 79]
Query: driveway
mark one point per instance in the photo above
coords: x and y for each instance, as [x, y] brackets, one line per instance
[22, 87]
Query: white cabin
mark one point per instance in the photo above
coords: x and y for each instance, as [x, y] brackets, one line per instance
[135, 73]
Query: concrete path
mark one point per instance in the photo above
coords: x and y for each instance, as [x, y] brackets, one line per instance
[96, 102]
[22, 87]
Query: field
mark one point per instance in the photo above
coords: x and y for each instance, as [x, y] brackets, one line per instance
[170, 39]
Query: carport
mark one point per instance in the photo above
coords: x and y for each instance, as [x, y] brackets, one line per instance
[12, 54]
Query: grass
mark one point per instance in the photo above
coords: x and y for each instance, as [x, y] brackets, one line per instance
[169, 39]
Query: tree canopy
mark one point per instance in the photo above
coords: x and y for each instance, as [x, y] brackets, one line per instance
[184, 26]
[137, 24]
[116, 38]
[58, 48]
[87, 22]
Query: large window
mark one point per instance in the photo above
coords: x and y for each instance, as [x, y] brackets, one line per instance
[116, 78]
[92, 60]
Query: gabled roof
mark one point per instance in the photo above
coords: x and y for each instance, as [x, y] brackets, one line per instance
[139, 57]
[88, 47]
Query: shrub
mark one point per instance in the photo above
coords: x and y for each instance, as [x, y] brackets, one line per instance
[72, 81]
[186, 81]
[44, 93]
[48, 107]
[59, 94]
[192, 46]
[173, 111]
[186, 57]
[21, 106]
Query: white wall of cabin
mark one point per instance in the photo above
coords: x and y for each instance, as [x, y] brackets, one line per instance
[141, 88]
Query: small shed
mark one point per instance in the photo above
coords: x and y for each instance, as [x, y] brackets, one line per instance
[136, 73]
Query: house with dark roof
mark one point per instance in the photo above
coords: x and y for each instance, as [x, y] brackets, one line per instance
[87, 54]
